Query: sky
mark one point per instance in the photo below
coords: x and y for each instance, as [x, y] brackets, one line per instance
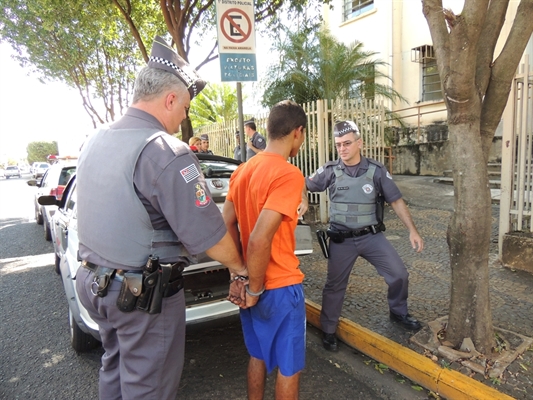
[31, 111]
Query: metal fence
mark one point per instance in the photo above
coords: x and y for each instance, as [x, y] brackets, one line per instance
[318, 147]
[517, 158]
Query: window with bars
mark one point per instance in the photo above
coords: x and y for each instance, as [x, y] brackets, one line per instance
[353, 8]
[431, 89]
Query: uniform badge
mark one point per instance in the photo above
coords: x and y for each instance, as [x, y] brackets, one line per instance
[389, 175]
[368, 188]
[202, 199]
[320, 170]
[190, 173]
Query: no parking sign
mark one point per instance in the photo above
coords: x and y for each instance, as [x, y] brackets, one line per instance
[236, 40]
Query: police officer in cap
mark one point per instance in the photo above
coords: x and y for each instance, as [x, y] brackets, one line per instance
[144, 209]
[354, 183]
[256, 141]
[204, 144]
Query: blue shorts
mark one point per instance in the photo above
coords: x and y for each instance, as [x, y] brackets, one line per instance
[274, 329]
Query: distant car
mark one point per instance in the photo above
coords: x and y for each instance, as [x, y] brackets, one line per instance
[39, 169]
[13, 171]
[53, 183]
[206, 282]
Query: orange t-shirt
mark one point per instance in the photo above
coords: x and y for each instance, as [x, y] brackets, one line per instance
[269, 181]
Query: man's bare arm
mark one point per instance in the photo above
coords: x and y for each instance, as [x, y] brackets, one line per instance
[259, 250]
[400, 208]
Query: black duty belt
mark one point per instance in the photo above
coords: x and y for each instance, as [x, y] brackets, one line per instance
[358, 232]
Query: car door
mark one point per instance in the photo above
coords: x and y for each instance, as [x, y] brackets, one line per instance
[66, 212]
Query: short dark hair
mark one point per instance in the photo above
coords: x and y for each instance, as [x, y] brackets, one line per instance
[251, 124]
[284, 117]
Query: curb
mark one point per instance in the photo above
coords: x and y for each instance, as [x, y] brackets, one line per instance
[418, 368]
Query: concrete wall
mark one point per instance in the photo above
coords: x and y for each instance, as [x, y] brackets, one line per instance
[432, 154]
[517, 251]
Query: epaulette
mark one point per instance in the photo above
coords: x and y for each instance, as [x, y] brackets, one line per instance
[372, 161]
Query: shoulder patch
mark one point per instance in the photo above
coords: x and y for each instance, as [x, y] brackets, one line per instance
[389, 175]
[202, 199]
[190, 173]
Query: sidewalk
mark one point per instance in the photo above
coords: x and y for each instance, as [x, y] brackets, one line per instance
[431, 205]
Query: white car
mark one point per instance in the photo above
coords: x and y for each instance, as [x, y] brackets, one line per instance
[52, 183]
[39, 169]
[206, 282]
[12, 171]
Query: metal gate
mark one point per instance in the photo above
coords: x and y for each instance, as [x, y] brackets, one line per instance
[517, 158]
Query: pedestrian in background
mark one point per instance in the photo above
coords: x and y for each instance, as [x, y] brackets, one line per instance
[256, 141]
[237, 153]
[354, 183]
[261, 213]
[194, 143]
[137, 234]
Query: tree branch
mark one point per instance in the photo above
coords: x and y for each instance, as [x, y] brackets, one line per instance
[133, 27]
[503, 70]
[208, 58]
[491, 31]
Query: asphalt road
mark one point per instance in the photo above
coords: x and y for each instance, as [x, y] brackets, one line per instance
[37, 362]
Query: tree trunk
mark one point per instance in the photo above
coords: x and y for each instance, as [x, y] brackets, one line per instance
[469, 238]
[186, 130]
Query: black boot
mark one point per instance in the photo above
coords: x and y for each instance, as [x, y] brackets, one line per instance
[406, 321]
[329, 341]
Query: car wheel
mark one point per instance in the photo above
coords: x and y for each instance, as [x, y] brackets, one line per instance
[38, 216]
[57, 263]
[81, 342]
[47, 231]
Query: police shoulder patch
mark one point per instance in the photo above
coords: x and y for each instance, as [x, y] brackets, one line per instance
[389, 175]
[202, 199]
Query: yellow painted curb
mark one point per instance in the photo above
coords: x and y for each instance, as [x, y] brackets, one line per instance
[447, 383]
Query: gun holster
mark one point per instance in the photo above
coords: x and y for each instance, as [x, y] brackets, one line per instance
[322, 241]
[145, 292]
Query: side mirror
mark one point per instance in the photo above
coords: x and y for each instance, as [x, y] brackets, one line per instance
[48, 201]
[32, 182]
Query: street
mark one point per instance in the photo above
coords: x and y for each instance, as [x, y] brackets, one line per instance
[37, 361]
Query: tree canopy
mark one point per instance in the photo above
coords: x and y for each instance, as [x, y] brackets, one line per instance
[313, 65]
[216, 103]
[39, 151]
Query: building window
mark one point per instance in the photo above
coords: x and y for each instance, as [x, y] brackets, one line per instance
[431, 88]
[353, 8]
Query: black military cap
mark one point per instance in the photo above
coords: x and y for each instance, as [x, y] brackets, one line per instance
[164, 57]
[343, 127]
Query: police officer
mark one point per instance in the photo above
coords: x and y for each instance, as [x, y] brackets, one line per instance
[237, 150]
[204, 144]
[354, 184]
[256, 141]
[141, 193]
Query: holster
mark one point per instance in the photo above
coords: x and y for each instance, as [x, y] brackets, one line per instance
[145, 292]
[130, 291]
[322, 241]
[335, 236]
[102, 279]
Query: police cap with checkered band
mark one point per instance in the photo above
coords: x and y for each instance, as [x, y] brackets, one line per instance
[164, 57]
[343, 127]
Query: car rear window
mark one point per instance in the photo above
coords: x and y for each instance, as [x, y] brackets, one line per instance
[65, 175]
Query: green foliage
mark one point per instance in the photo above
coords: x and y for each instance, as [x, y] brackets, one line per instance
[38, 151]
[313, 65]
[216, 103]
[87, 45]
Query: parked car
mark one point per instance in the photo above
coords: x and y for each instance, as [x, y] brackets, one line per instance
[39, 169]
[12, 171]
[206, 282]
[52, 183]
